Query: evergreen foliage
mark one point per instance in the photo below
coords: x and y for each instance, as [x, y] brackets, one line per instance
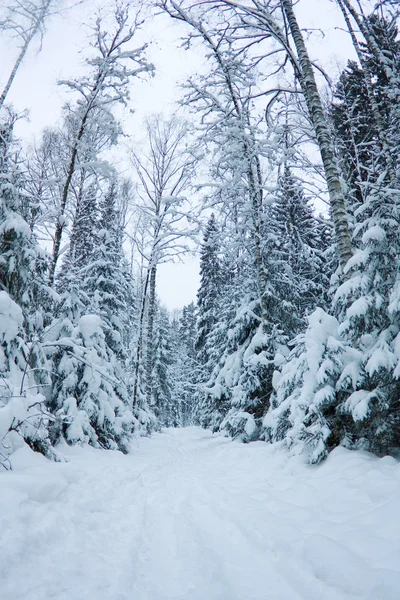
[208, 294]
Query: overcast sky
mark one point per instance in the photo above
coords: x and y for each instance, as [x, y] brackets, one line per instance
[36, 87]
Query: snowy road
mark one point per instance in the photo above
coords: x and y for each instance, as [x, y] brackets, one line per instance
[192, 516]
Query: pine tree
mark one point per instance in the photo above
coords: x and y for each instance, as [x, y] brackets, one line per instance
[355, 132]
[72, 275]
[107, 279]
[23, 367]
[187, 369]
[22, 263]
[367, 304]
[209, 290]
[165, 405]
[303, 409]
[302, 273]
[90, 397]
[91, 392]
[23, 413]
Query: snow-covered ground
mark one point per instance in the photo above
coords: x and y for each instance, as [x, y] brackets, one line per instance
[192, 516]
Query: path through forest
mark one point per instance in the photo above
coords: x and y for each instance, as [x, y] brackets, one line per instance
[193, 516]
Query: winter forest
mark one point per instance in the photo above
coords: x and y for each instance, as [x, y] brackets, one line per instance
[284, 177]
[277, 172]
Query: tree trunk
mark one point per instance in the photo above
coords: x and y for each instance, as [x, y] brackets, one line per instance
[140, 342]
[150, 331]
[318, 118]
[369, 39]
[35, 29]
[60, 221]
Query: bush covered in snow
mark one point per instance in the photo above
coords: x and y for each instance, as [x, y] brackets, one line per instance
[23, 414]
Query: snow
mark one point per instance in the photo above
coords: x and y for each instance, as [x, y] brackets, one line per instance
[375, 233]
[189, 515]
[358, 307]
[10, 318]
[358, 404]
[89, 325]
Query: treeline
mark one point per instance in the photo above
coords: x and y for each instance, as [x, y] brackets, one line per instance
[295, 335]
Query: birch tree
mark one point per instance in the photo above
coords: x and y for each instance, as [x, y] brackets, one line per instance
[105, 85]
[24, 20]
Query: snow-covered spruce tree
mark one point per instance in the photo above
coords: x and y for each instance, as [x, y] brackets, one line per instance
[82, 244]
[363, 112]
[355, 132]
[303, 410]
[343, 388]
[211, 402]
[209, 290]
[165, 405]
[89, 402]
[302, 240]
[297, 280]
[187, 369]
[86, 340]
[22, 262]
[106, 279]
[23, 415]
[368, 302]
[23, 370]
[235, 393]
[110, 291]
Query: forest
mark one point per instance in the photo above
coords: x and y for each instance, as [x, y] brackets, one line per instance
[283, 176]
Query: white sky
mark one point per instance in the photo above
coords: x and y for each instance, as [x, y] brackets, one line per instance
[36, 88]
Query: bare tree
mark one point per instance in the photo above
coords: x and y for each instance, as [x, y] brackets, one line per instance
[225, 98]
[164, 171]
[105, 85]
[25, 20]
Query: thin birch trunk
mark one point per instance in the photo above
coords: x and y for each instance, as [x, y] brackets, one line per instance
[376, 113]
[24, 49]
[150, 331]
[64, 197]
[370, 40]
[139, 348]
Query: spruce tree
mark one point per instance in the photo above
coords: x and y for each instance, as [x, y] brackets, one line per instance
[301, 240]
[107, 279]
[187, 368]
[24, 297]
[166, 406]
[90, 391]
[209, 290]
